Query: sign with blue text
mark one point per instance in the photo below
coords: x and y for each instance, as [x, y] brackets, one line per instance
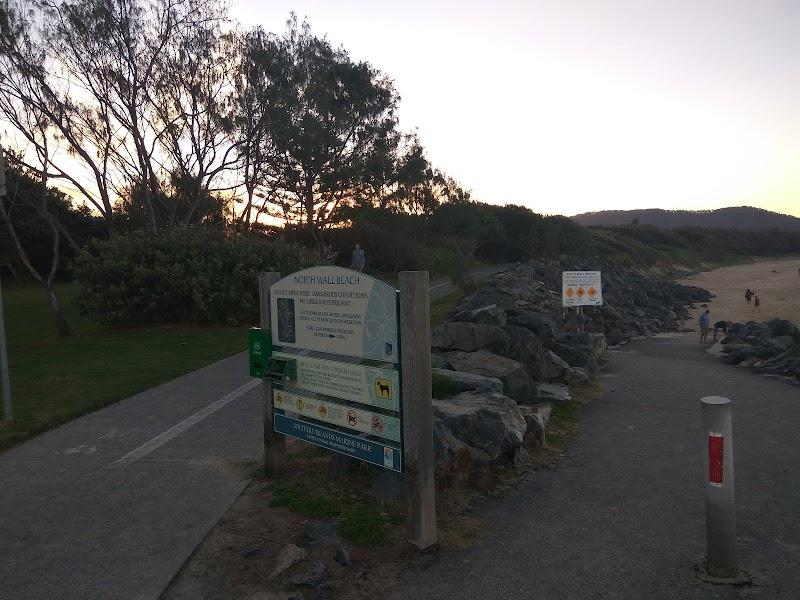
[355, 447]
[335, 310]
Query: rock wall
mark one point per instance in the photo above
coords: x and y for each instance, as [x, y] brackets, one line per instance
[772, 347]
[514, 336]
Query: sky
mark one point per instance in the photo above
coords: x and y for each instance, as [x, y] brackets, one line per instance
[586, 105]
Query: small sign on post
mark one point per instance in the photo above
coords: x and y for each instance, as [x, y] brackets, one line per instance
[581, 288]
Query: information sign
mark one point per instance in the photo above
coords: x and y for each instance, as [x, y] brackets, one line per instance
[346, 381]
[343, 443]
[581, 288]
[335, 310]
[361, 421]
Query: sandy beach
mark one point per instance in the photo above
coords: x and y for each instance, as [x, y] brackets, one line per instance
[775, 282]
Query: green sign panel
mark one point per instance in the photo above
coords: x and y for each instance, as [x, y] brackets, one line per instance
[356, 383]
[347, 417]
[343, 443]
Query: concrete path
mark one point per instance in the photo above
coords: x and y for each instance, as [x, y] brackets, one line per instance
[111, 505]
[622, 516]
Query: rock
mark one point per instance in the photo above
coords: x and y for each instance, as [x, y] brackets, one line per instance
[468, 337]
[517, 380]
[558, 369]
[553, 392]
[521, 457]
[485, 315]
[288, 556]
[249, 552]
[362, 575]
[750, 362]
[536, 418]
[319, 534]
[525, 347]
[314, 577]
[490, 424]
[342, 557]
[470, 381]
[541, 324]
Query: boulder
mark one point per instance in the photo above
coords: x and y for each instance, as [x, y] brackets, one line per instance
[517, 380]
[468, 337]
[484, 315]
[558, 370]
[553, 392]
[525, 347]
[489, 424]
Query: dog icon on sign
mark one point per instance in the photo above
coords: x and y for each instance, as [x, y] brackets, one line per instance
[383, 388]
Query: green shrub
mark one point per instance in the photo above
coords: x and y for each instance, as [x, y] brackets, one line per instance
[184, 277]
[441, 261]
[443, 386]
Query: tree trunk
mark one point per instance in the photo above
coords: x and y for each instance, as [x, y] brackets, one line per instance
[62, 327]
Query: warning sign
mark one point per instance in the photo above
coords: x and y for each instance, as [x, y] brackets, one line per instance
[383, 388]
[581, 288]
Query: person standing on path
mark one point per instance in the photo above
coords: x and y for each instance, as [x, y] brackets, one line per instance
[723, 325]
[747, 296]
[757, 305]
[704, 320]
[358, 259]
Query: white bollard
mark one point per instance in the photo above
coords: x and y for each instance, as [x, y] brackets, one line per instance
[720, 565]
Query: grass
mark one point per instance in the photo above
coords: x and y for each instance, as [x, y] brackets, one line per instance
[54, 380]
[309, 491]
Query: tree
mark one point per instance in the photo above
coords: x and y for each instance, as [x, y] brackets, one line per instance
[25, 194]
[330, 123]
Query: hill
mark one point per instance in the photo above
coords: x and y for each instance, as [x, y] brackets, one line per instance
[739, 217]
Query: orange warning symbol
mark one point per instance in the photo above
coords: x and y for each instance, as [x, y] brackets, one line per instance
[580, 292]
[592, 292]
[570, 293]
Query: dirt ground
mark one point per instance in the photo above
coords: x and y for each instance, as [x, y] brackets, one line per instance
[775, 282]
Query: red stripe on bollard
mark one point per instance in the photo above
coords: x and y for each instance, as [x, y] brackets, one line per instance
[715, 442]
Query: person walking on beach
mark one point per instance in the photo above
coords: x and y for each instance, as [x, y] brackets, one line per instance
[358, 259]
[704, 319]
[756, 305]
[747, 296]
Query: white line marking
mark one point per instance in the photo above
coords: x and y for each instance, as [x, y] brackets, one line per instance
[175, 430]
[433, 287]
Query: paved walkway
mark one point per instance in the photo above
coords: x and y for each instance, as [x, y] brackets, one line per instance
[111, 505]
[622, 516]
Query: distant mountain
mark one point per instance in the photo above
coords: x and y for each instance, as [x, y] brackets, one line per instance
[740, 217]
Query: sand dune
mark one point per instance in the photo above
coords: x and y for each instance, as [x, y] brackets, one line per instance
[775, 282]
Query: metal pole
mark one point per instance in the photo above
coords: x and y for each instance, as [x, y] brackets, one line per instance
[720, 506]
[7, 414]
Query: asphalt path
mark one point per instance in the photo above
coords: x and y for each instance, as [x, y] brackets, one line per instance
[623, 516]
[111, 505]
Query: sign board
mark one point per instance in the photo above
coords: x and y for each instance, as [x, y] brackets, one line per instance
[581, 288]
[357, 383]
[335, 310]
[343, 443]
[347, 417]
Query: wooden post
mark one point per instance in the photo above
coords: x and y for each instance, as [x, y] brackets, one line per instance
[274, 443]
[415, 361]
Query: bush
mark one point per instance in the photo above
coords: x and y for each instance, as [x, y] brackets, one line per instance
[185, 277]
[440, 261]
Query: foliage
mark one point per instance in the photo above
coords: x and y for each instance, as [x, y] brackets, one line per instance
[441, 261]
[191, 277]
[443, 386]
